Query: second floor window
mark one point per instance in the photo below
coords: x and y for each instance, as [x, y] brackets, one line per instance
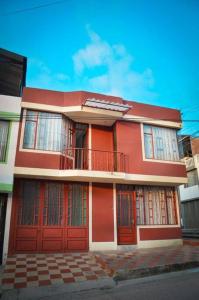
[47, 131]
[4, 131]
[160, 143]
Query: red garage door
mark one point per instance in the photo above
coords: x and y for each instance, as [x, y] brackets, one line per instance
[49, 217]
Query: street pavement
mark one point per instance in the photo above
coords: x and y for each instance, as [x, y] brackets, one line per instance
[182, 285]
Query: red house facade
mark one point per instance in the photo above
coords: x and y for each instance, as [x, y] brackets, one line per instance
[94, 172]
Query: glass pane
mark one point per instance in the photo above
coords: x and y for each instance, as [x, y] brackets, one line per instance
[165, 144]
[29, 135]
[49, 132]
[147, 129]
[148, 145]
[124, 209]
[29, 203]
[53, 204]
[4, 130]
[77, 205]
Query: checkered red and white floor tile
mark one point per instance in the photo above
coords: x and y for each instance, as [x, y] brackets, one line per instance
[45, 269]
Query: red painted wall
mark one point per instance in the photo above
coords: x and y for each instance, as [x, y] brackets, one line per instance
[63, 98]
[153, 111]
[102, 138]
[37, 160]
[79, 97]
[102, 213]
[160, 233]
[128, 137]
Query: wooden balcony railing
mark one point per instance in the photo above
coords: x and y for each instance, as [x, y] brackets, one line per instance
[96, 160]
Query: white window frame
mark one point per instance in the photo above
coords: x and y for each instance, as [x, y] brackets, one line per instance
[152, 159]
[21, 148]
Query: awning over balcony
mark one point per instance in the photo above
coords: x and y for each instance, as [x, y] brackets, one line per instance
[103, 104]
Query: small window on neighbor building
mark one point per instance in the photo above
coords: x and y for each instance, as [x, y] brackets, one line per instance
[4, 132]
[160, 143]
[192, 177]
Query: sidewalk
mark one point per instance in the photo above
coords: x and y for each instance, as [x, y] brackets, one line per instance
[147, 262]
[25, 270]
[48, 273]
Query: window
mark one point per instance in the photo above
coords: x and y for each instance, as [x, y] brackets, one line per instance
[77, 207]
[192, 177]
[160, 143]
[155, 206]
[47, 131]
[4, 131]
[28, 213]
[53, 204]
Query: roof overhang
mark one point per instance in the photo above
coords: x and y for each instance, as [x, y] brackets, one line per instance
[103, 104]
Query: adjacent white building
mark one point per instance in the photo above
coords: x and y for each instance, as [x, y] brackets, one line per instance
[189, 193]
[12, 81]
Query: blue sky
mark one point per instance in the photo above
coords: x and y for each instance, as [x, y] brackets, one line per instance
[140, 50]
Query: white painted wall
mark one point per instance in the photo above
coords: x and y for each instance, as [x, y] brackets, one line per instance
[7, 228]
[10, 104]
[189, 193]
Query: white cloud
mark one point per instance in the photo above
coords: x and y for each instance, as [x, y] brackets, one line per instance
[115, 66]
[41, 76]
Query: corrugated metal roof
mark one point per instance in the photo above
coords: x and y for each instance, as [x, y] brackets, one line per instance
[103, 104]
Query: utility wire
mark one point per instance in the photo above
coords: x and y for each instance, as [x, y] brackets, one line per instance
[32, 8]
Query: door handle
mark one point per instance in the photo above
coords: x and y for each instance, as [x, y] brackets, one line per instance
[132, 221]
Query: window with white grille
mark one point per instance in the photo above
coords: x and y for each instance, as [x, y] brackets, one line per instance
[160, 143]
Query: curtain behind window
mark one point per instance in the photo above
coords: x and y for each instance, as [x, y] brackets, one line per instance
[47, 131]
[160, 143]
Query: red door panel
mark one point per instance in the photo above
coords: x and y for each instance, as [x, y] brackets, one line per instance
[126, 217]
[26, 245]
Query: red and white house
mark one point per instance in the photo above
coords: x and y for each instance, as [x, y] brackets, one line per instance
[94, 172]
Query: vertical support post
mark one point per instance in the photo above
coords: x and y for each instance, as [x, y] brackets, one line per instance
[7, 228]
[90, 147]
[90, 223]
[115, 213]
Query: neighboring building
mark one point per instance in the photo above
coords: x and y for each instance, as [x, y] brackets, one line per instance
[189, 193]
[12, 78]
[12, 73]
[94, 172]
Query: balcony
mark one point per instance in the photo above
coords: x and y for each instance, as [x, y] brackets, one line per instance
[95, 160]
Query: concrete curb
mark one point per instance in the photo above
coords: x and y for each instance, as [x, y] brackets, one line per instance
[145, 272]
[34, 293]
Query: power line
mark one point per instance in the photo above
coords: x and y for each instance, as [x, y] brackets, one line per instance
[32, 8]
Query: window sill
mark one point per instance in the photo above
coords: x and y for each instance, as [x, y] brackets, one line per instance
[164, 161]
[39, 151]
